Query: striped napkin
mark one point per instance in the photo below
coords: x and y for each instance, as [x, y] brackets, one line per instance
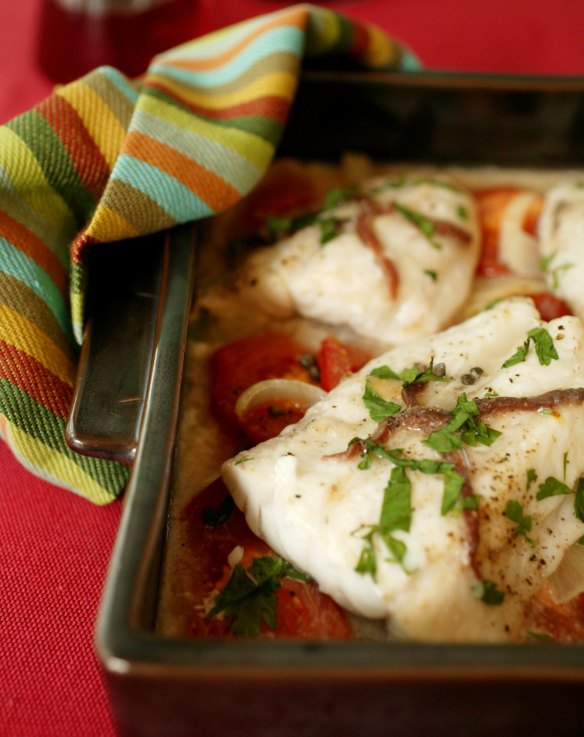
[106, 158]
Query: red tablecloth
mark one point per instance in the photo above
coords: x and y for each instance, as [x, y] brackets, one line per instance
[54, 547]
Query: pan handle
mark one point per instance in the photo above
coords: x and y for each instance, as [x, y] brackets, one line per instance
[131, 284]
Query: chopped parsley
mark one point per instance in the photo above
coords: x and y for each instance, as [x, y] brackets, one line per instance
[545, 265]
[378, 407]
[424, 224]
[329, 229]
[552, 487]
[416, 374]
[451, 496]
[396, 514]
[278, 227]
[579, 500]
[249, 598]
[464, 427]
[338, 195]
[370, 449]
[488, 593]
[543, 345]
[514, 512]
[531, 477]
[396, 510]
[432, 274]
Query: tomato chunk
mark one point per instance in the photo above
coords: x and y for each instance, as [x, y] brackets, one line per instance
[302, 610]
[336, 360]
[265, 421]
[492, 204]
[238, 365]
[549, 306]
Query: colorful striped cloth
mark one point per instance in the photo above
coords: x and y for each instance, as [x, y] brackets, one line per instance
[105, 158]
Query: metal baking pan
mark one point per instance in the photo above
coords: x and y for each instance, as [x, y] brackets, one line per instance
[193, 688]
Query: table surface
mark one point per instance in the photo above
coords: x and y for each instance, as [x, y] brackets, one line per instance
[55, 546]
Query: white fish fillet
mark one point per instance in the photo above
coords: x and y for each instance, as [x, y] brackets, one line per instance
[343, 282]
[314, 509]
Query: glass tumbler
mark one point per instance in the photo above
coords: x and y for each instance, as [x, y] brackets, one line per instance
[75, 36]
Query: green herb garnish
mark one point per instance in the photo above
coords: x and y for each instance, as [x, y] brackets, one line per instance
[579, 500]
[277, 227]
[488, 593]
[249, 598]
[565, 464]
[329, 229]
[396, 514]
[393, 513]
[378, 407]
[424, 224]
[552, 487]
[338, 195]
[464, 427]
[414, 375]
[543, 345]
[545, 265]
[514, 512]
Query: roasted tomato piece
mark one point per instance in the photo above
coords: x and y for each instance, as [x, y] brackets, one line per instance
[336, 360]
[492, 204]
[238, 365]
[549, 306]
[265, 421]
[215, 528]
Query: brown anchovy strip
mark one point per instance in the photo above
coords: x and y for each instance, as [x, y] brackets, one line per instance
[550, 400]
[411, 393]
[370, 209]
[429, 419]
[470, 516]
[450, 230]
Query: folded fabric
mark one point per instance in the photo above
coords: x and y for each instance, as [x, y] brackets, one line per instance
[106, 158]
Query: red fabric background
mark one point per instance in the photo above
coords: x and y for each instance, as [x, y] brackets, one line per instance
[54, 547]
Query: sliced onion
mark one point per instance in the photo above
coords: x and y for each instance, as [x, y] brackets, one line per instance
[235, 556]
[272, 391]
[567, 581]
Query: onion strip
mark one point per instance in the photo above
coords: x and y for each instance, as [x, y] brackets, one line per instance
[272, 391]
[567, 581]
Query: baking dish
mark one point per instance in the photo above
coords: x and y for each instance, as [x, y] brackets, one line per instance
[168, 686]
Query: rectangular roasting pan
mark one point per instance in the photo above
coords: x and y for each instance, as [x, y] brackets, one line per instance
[192, 688]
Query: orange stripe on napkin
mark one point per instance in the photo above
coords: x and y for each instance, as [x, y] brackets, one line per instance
[25, 372]
[32, 246]
[214, 190]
